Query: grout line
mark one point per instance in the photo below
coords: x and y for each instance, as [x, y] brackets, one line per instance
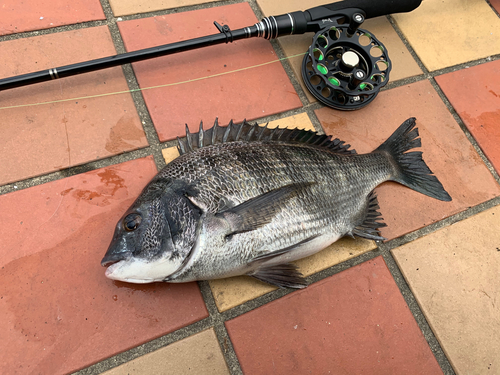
[464, 128]
[414, 307]
[75, 170]
[147, 347]
[53, 30]
[133, 85]
[493, 8]
[218, 320]
[278, 293]
[180, 9]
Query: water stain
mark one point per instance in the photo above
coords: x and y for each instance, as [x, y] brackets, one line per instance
[111, 184]
[65, 192]
[124, 130]
[86, 194]
[111, 179]
[162, 26]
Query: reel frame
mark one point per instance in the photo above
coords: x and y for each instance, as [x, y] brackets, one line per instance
[345, 67]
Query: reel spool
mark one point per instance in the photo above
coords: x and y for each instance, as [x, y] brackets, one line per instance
[346, 67]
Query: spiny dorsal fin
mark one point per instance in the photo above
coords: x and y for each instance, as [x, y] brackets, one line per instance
[246, 132]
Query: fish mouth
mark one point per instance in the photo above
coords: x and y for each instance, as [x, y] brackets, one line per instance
[112, 267]
[110, 259]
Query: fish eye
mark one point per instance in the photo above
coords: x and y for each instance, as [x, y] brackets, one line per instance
[132, 222]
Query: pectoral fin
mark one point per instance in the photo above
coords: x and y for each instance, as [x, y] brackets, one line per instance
[259, 211]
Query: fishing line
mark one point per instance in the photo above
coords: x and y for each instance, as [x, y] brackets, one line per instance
[153, 87]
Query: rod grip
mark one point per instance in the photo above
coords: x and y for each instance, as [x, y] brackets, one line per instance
[372, 8]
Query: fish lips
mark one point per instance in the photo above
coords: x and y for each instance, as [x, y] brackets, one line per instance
[117, 251]
[112, 257]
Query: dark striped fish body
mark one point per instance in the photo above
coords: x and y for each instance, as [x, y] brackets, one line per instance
[245, 199]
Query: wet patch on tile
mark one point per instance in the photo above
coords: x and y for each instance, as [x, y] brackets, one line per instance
[354, 322]
[475, 95]
[453, 274]
[445, 149]
[58, 311]
[198, 354]
[444, 33]
[239, 80]
[39, 139]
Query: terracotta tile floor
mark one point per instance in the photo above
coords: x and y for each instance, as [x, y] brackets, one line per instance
[74, 158]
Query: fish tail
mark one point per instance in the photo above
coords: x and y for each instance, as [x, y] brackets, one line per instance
[410, 169]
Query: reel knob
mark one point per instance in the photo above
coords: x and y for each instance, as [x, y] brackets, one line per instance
[346, 67]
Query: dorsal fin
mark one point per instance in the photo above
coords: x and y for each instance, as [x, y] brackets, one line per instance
[246, 132]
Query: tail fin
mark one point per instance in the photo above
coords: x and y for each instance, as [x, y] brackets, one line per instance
[410, 168]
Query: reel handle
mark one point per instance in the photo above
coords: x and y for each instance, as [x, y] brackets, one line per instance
[308, 21]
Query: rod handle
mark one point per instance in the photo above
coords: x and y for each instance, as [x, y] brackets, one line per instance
[301, 22]
[371, 8]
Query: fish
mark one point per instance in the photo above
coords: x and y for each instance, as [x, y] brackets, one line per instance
[244, 199]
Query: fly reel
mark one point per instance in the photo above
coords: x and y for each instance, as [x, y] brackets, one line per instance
[346, 67]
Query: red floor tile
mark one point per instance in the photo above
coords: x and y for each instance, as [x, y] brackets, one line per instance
[355, 322]
[43, 138]
[445, 149]
[250, 94]
[495, 4]
[475, 94]
[19, 16]
[58, 312]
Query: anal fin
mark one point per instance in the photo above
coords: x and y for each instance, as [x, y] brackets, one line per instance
[369, 228]
[284, 275]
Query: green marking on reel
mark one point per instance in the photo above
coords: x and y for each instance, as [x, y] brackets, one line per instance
[334, 81]
[362, 86]
[322, 68]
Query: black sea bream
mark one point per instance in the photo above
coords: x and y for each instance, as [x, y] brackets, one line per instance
[244, 199]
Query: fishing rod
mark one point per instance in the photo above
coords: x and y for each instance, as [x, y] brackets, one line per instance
[344, 68]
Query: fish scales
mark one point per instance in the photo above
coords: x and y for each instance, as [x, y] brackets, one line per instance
[229, 170]
[251, 200]
[325, 208]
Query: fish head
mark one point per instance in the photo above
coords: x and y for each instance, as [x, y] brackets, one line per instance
[154, 237]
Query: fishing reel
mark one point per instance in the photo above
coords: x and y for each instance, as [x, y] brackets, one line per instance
[345, 67]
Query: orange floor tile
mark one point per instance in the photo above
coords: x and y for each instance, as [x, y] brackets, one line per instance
[77, 151]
